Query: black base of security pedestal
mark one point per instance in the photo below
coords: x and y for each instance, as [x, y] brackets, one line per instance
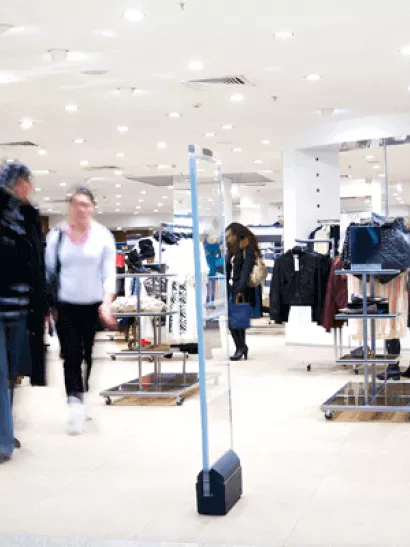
[225, 486]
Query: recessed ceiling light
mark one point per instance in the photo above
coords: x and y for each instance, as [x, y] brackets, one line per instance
[163, 166]
[63, 184]
[236, 149]
[118, 173]
[26, 124]
[50, 210]
[170, 187]
[118, 185]
[313, 77]
[100, 212]
[196, 65]
[376, 166]
[209, 134]
[399, 188]
[119, 228]
[71, 108]
[138, 91]
[283, 35]
[140, 201]
[69, 195]
[46, 198]
[160, 205]
[227, 127]
[120, 155]
[258, 162]
[395, 194]
[76, 56]
[155, 210]
[79, 141]
[58, 55]
[162, 145]
[83, 163]
[117, 210]
[368, 158]
[143, 192]
[237, 97]
[174, 115]
[42, 152]
[122, 129]
[405, 50]
[40, 172]
[105, 33]
[164, 197]
[118, 204]
[266, 142]
[134, 15]
[118, 196]
[39, 189]
[138, 206]
[267, 171]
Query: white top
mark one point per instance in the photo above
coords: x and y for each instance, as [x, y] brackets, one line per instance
[87, 270]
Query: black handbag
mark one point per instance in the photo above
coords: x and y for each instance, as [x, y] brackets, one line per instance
[53, 282]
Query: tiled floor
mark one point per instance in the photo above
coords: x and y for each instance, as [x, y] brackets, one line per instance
[131, 477]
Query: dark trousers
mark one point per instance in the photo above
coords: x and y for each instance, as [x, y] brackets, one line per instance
[76, 327]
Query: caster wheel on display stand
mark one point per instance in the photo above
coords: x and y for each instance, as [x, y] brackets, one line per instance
[356, 371]
[180, 401]
[108, 401]
[309, 368]
[329, 415]
[113, 357]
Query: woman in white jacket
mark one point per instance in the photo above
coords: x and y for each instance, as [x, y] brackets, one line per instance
[81, 254]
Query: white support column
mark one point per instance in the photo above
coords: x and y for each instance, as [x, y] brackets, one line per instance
[311, 186]
[227, 197]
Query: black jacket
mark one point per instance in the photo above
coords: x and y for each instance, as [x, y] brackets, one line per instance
[306, 287]
[240, 271]
[15, 250]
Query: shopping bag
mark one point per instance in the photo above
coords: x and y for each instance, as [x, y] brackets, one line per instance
[239, 315]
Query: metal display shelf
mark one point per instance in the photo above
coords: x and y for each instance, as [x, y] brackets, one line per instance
[370, 395]
[156, 384]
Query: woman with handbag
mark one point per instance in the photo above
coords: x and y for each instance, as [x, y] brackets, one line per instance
[243, 254]
[80, 259]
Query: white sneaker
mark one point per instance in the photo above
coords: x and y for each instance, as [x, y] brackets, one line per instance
[76, 417]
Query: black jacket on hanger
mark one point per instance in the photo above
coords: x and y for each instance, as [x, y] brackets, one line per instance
[240, 270]
[306, 287]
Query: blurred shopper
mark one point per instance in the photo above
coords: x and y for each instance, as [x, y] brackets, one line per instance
[243, 251]
[80, 255]
[15, 278]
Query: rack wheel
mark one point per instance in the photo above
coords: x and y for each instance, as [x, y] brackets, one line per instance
[108, 401]
[356, 371]
[180, 401]
[329, 415]
[129, 345]
[309, 368]
[113, 357]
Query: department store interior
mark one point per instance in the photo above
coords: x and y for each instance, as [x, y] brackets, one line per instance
[181, 118]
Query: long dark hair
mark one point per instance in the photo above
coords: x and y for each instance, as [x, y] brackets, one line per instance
[242, 232]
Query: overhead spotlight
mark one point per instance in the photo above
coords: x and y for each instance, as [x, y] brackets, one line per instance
[196, 65]
[122, 129]
[71, 108]
[26, 124]
[63, 184]
[265, 142]
[58, 55]
[283, 35]
[236, 149]
[405, 50]
[134, 15]
[258, 162]
[42, 152]
[118, 173]
[174, 115]
[209, 134]
[162, 145]
[120, 155]
[227, 127]
[84, 163]
[313, 77]
[237, 98]
[79, 141]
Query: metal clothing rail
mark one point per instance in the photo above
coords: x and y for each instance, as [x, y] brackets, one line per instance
[331, 240]
[369, 395]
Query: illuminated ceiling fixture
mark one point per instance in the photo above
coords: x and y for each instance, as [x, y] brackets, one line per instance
[118, 173]
[405, 50]
[237, 98]
[155, 210]
[196, 65]
[122, 129]
[79, 141]
[39, 189]
[84, 163]
[174, 115]
[58, 55]
[118, 196]
[26, 124]
[161, 166]
[120, 155]
[399, 188]
[143, 192]
[41, 172]
[209, 134]
[71, 108]
[118, 185]
[376, 166]
[134, 15]
[161, 145]
[283, 35]
[105, 33]
[42, 152]
[258, 162]
[313, 77]
[227, 127]
[265, 142]
[236, 149]
[369, 158]
[136, 91]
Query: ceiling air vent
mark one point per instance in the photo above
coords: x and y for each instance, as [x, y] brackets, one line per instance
[207, 83]
[101, 168]
[19, 144]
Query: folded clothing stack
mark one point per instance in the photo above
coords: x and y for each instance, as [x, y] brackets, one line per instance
[376, 305]
[130, 305]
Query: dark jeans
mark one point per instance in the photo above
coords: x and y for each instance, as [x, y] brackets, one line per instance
[12, 333]
[76, 327]
[393, 347]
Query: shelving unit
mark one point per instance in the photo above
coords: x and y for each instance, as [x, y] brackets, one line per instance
[370, 395]
[157, 384]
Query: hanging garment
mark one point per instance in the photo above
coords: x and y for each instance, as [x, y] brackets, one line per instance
[323, 233]
[299, 279]
[336, 297]
[396, 292]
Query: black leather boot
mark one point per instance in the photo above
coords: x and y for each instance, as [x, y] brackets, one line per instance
[240, 352]
[392, 373]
